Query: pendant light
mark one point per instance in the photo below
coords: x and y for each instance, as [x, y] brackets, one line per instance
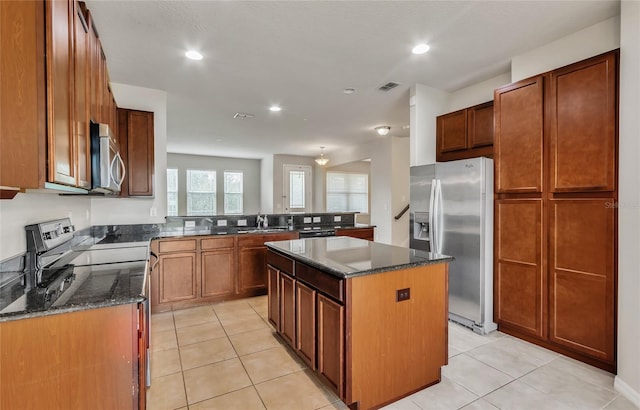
[321, 160]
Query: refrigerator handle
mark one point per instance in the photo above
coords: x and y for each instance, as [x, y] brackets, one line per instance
[432, 211]
[438, 217]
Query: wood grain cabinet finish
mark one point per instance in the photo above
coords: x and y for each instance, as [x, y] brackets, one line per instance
[23, 145]
[467, 133]
[362, 233]
[583, 101]
[519, 276]
[252, 273]
[519, 136]
[135, 132]
[582, 261]
[330, 325]
[218, 272]
[178, 279]
[287, 309]
[306, 324]
[273, 286]
[81, 133]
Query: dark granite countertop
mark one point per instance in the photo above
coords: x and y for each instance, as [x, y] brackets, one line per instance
[347, 257]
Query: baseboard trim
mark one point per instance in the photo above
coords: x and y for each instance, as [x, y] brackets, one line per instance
[627, 391]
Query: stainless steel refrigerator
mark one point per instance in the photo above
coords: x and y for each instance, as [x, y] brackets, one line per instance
[452, 213]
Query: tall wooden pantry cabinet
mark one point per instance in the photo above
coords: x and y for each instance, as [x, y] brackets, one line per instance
[556, 152]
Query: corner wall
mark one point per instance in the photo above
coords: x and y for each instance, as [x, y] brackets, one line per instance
[139, 210]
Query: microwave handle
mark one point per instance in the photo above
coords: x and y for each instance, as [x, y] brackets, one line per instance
[120, 164]
[124, 171]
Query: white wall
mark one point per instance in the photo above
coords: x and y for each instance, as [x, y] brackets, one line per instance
[400, 191]
[29, 208]
[477, 93]
[628, 378]
[139, 210]
[578, 46]
[425, 103]
[266, 185]
[251, 178]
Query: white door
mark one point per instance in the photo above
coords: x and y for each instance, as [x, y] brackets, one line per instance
[296, 188]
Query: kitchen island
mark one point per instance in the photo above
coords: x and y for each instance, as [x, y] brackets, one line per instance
[369, 318]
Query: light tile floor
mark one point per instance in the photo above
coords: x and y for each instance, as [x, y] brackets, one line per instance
[226, 356]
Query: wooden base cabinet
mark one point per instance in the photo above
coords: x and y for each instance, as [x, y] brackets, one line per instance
[362, 233]
[363, 344]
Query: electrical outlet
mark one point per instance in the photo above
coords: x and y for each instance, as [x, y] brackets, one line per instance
[337, 218]
[403, 294]
[242, 222]
[316, 219]
[222, 222]
[189, 224]
[153, 211]
[307, 219]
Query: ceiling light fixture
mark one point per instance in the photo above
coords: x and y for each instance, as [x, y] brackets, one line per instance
[193, 55]
[321, 160]
[420, 49]
[275, 108]
[349, 90]
[383, 130]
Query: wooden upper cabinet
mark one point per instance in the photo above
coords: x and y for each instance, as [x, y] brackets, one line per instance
[82, 60]
[451, 131]
[583, 101]
[519, 136]
[60, 85]
[22, 94]
[135, 132]
[582, 275]
[519, 286]
[480, 125]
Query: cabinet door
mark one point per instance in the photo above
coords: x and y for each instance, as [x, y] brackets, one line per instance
[218, 272]
[140, 155]
[306, 324]
[519, 132]
[480, 125]
[287, 309]
[451, 131]
[60, 75]
[252, 274]
[331, 343]
[583, 135]
[519, 280]
[142, 356]
[274, 296]
[582, 269]
[22, 95]
[81, 98]
[178, 280]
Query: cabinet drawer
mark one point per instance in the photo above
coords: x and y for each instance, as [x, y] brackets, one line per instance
[178, 246]
[216, 243]
[323, 282]
[280, 262]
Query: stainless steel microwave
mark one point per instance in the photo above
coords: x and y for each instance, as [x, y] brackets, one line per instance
[107, 167]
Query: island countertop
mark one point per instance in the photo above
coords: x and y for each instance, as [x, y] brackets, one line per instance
[347, 257]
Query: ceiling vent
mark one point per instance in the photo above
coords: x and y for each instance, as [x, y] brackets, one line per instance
[388, 86]
[242, 116]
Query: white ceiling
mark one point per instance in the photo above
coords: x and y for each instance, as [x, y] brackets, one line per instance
[302, 54]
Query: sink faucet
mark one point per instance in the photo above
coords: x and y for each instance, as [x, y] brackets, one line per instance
[261, 221]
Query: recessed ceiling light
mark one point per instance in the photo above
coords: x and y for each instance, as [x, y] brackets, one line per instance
[349, 90]
[193, 55]
[420, 49]
[275, 108]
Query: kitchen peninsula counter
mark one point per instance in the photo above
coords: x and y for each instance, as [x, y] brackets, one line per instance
[369, 318]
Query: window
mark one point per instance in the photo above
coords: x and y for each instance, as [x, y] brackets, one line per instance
[347, 192]
[201, 192]
[233, 191]
[172, 192]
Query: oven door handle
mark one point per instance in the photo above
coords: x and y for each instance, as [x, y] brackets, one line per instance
[152, 253]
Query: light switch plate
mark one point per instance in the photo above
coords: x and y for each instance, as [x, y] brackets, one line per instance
[307, 219]
[222, 222]
[242, 222]
[189, 224]
[337, 218]
[316, 219]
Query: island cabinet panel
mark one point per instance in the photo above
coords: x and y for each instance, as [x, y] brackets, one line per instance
[218, 272]
[582, 275]
[410, 335]
[331, 343]
[583, 101]
[519, 132]
[80, 359]
[178, 280]
[305, 324]
[273, 303]
[287, 308]
[518, 296]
